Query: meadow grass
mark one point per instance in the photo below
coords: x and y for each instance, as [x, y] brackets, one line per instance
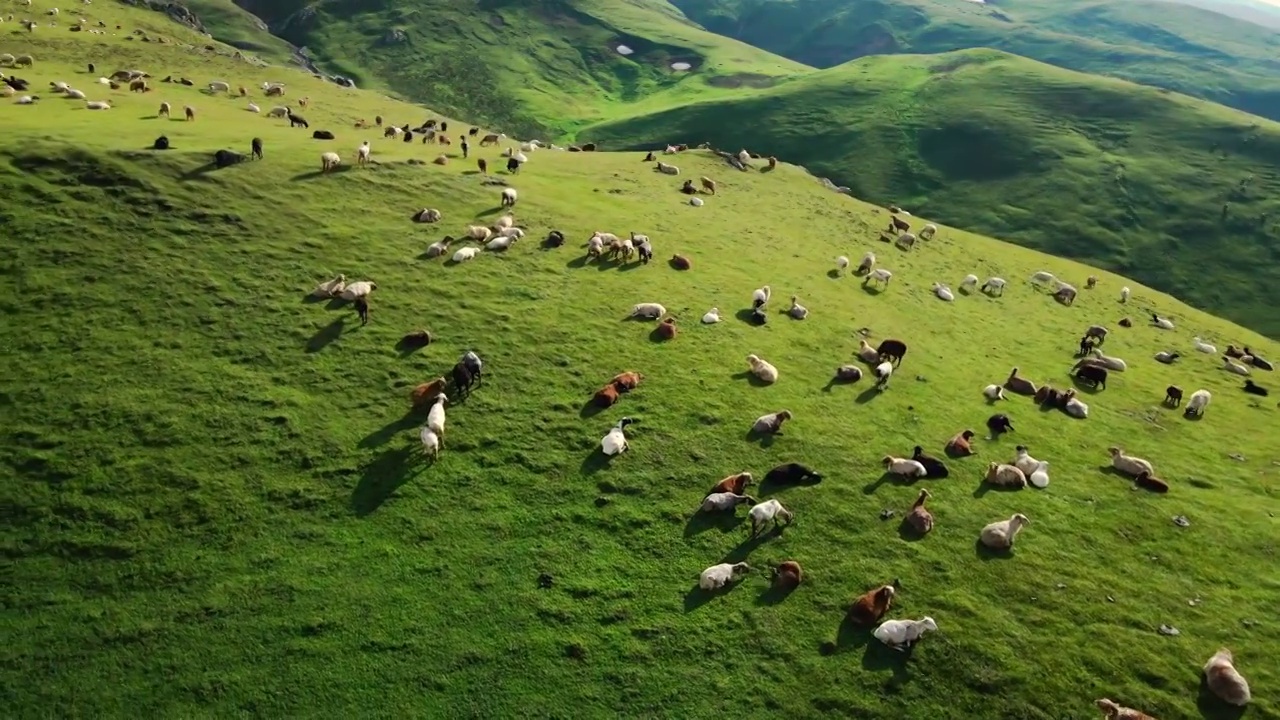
[1181, 194]
[217, 503]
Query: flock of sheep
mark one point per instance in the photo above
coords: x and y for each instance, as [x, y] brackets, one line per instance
[870, 609]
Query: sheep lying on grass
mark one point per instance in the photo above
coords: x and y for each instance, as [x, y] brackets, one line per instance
[902, 634]
[1000, 535]
[717, 576]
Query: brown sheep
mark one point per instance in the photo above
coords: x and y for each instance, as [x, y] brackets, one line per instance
[1091, 283]
[484, 166]
[709, 185]
[164, 110]
[787, 575]
[667, 329]
[441, 160]
[244, 92]
[733, 484]
[919, 519]
[1114, 711]
[959, 445]
[688, 188]
[191, 113]
[1019, 385]
[1224, 680]
[680, 262]
[490, 139]
[1150, 482]
[425, 394]
[627, 381]
[606, 396]
[868, 609]
[138, 85]
[897, 223]
[773, 162]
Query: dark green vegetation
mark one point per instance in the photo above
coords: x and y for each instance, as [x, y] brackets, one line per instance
[1174, 46]
[214, 504]
[1180, 194]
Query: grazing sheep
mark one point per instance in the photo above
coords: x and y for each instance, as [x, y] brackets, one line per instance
[513, 166]
[615, 441]
[868, 262]
[1128, 464]
[883, 372]
[358, 289]
[919, 520]
[1096, 331]
[771, 424]
[1147, 481]
[787, 576]
[1019, 385]
[255, 148]
[891, 349]
[648, 311]
[903, 468]
[848, 373]
[554, 239]
[190, 113]
[1166, 357]
[1232, 366]
[329, 161]
[330, 288]
[1173, 395]
[479, 233]
[902, 634]
[879, 275]
[717, 576]
[1043, 276]
[1254, 389]
[797, 311]
[994, 283]
[1204, 347]
[1065, 295]
[709, 185]
[666, 329]
[1124, 294]
[842, 263]
[867, 354]
[1197, 403]
[969, 282]
[719, 502]
[1000, 535]
[762, 369]
[426, 393]
[1114, 711]
[767, 512]
[872, 605]
[943, 292]
[998, 424]
[321, 135]
[933, 467]
[362, 153]
[500, 243]
[279, 111]
[1224, 680]
[509, 197]
[430, 442]
[1091, 374]
[607, 396]
[959, 445]
[733, 484]
[416, 339]
[906, 241]
[760, 296]
[73, 94]
[928, 231]
[1232, 351]
[1005, 476]
[679, 262]
[712, 316]
[428, 215]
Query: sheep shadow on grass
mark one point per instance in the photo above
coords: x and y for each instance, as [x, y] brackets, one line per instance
[697, 597]
[337, 303]
[326, 335]
[877, 656]
[766, 440]
[908, 533]
[748, 546]
[724, 521]
[319, 173]
[1085, 386]
[985, 487]
[750, 378]
[745, 316]
[870, 289]
[987, 553]
[379, 437]
[578, 262]
[868, 395]
[590, 409]
[774, 594]
[1212, 707]
[595, 462]
[886, 478]
[850, 636]
[381, 478]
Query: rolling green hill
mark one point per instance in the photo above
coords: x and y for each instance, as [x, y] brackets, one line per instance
[1181, 194]
[1178, 47]
[536, 68]
[215, 502]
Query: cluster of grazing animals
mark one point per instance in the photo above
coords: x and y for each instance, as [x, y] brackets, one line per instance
[1232, 366]
[1128, 464]
[1114, 711]
[868, 262]
[648, 311]
[933, 467]
[329, 161]
[712, 316]
[879, 275]
[425, 394]
[719, 502]
[919, 520]
[666, 329]
[733, 484]
[679, 262]
[1197, 403]
[992, 284]
[943, 292]
[848, 373]
[958, 446]
[1147, 481]
[1162, 323]
[787, 576]
[999, 424]
[1173, 396]
[767, 512]
[1000, 535]
[797, 311]
[1019, 385]
[717, 576]
[872, 605]
[903, 468]
[509, 197]
[762, 369]
[330, 288]
[902, 634]
[1255, 389]
[1166, 357]
[771, 424]
[1225, 681]
[1008, 476]
[615, 441]
[993, 392]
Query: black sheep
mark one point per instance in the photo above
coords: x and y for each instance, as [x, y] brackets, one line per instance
[513, 165]
[161, 143]
[408, 136]
[1253, 389]
[362, 307]
[758, 317]
[555, 238]
[257, 149]
[999, 424]
[322, 135]
[893, 350]
[1094, 375]
[296, 120]
[416, 339]
[933, 467]
[465, 148]
[1173, 396]
[791, 474]
[227, 158]
[462, 378]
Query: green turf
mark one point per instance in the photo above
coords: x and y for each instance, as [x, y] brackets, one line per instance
[1188, 49]
[1179, 193]
[214, 506]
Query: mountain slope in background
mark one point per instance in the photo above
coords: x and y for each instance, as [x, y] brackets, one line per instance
[1174, 46]
[1179, 193]
[1256, 11]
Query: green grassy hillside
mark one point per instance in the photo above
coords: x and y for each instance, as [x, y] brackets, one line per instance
[1181, 194]
[1174, 46]
[535, 68]
[215, 503]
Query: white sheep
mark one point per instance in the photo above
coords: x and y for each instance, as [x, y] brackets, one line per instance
[615, 441]
[766, 512]
[1040, 476]
[1111, 363]
[667, 169]
[712, 316]
[867, 353]
[901, 634]
[1124, 294]
[1005, 476]
[970, 281]
[993, 392]
[994, 283]
[430, 442]
[762, 369]
[797, 311]
[943, 292]
[357, 290]
[883, 372]
[696, 201]
[1197, 403]
[744, 157]
[842, 263]
[1076, 408]
[219, 86]
[1128, 464]
[1204, 347]
[435, 416]
[868, 262]
[904, 467]
[1232, 366]
[25, 99]
[717, 576]
[1043, 276]
[1225, 681]
[98, 105]
[278, 111]
[1000, 535]
[724, 501]
[1162, 323]
[465, 254]
[253, 108]
[500, 243]
[879, 275]
[330, 288]
[648, 311]
[514, 233]
[437, 249]
[760, 296]
[928, 231]
[329, 160]
[479, 233]
[1024, 462]
[75, 94]
[363, 152]
[104, 81]
[509, 197]
[906, 240]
